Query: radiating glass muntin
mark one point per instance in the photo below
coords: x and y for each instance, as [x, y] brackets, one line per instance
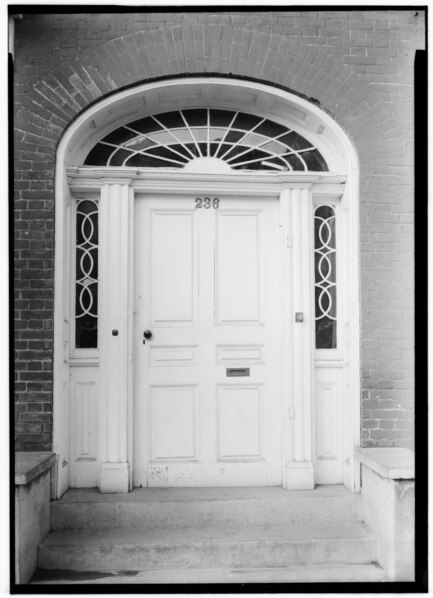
[86, 274]
[173, 139]
[325, 282]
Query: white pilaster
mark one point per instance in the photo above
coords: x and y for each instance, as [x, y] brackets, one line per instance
[298, 347]
[115, 335]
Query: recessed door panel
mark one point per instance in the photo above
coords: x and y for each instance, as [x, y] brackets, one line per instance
[169, 356]
[173, 422]
[328, 440]
[207, 382]
[240, 422]
[240, 354]
[238, 267]
[172, 262]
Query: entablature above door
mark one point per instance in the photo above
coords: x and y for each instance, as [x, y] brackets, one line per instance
[243, 183]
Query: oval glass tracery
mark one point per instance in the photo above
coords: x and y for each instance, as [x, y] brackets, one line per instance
[325, 282]
[86, 275]
[173, 139]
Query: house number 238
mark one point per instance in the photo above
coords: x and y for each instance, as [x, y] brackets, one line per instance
[207, 202]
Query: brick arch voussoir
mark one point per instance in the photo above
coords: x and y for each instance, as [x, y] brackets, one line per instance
[197, 49]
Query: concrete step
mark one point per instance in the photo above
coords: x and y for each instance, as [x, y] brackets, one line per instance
[208, 547]
[370, 572]
[82, 509]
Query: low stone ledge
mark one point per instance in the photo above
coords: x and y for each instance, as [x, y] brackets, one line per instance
[32, 509]
[28, 466]
[387, 490]
[393, 463]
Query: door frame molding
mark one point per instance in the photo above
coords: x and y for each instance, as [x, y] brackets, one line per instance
[296, 196]
[303, 189]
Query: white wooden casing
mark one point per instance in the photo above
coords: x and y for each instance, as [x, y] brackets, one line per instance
[336, 377]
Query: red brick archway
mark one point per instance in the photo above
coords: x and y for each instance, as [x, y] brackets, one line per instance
[182, 50]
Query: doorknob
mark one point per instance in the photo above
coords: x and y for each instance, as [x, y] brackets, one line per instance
[147, 334]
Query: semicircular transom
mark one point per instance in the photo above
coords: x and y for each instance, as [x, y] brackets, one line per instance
[196, 138]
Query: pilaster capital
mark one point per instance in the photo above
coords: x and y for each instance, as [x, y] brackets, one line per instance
[296, 185]
[126, 181]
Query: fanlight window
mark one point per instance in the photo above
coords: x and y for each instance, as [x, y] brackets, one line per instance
[173, 139]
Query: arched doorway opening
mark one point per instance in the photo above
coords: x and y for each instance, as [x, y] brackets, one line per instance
[220, 215]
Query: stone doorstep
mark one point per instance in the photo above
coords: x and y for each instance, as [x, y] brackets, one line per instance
[299, 533]
[146, 508]
[207, 494]
[342, 550]
[203, 547]
[370, 572]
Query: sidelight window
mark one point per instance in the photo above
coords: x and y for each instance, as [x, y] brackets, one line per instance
[325, 277]
[86, 275]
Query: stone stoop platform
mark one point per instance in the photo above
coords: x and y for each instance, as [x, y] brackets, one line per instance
[259, 575]
[228, 535]
[226, 546]
[195, 507]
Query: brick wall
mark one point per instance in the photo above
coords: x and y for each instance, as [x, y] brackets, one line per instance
[359, 67]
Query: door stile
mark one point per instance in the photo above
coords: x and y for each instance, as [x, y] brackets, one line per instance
[115, 337]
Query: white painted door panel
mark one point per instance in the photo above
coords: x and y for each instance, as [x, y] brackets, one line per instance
[207, 287]
[239, 268]
[172, 261]
[84, 426]
[328, 466]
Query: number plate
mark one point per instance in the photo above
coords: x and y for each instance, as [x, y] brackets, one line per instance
[207, 202]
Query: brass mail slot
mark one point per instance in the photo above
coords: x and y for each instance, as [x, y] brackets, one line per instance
[237, 372]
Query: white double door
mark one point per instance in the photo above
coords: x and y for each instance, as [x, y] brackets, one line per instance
[207, 408]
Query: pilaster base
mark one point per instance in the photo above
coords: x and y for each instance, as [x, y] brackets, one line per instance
[299, 475]
[114, 478]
